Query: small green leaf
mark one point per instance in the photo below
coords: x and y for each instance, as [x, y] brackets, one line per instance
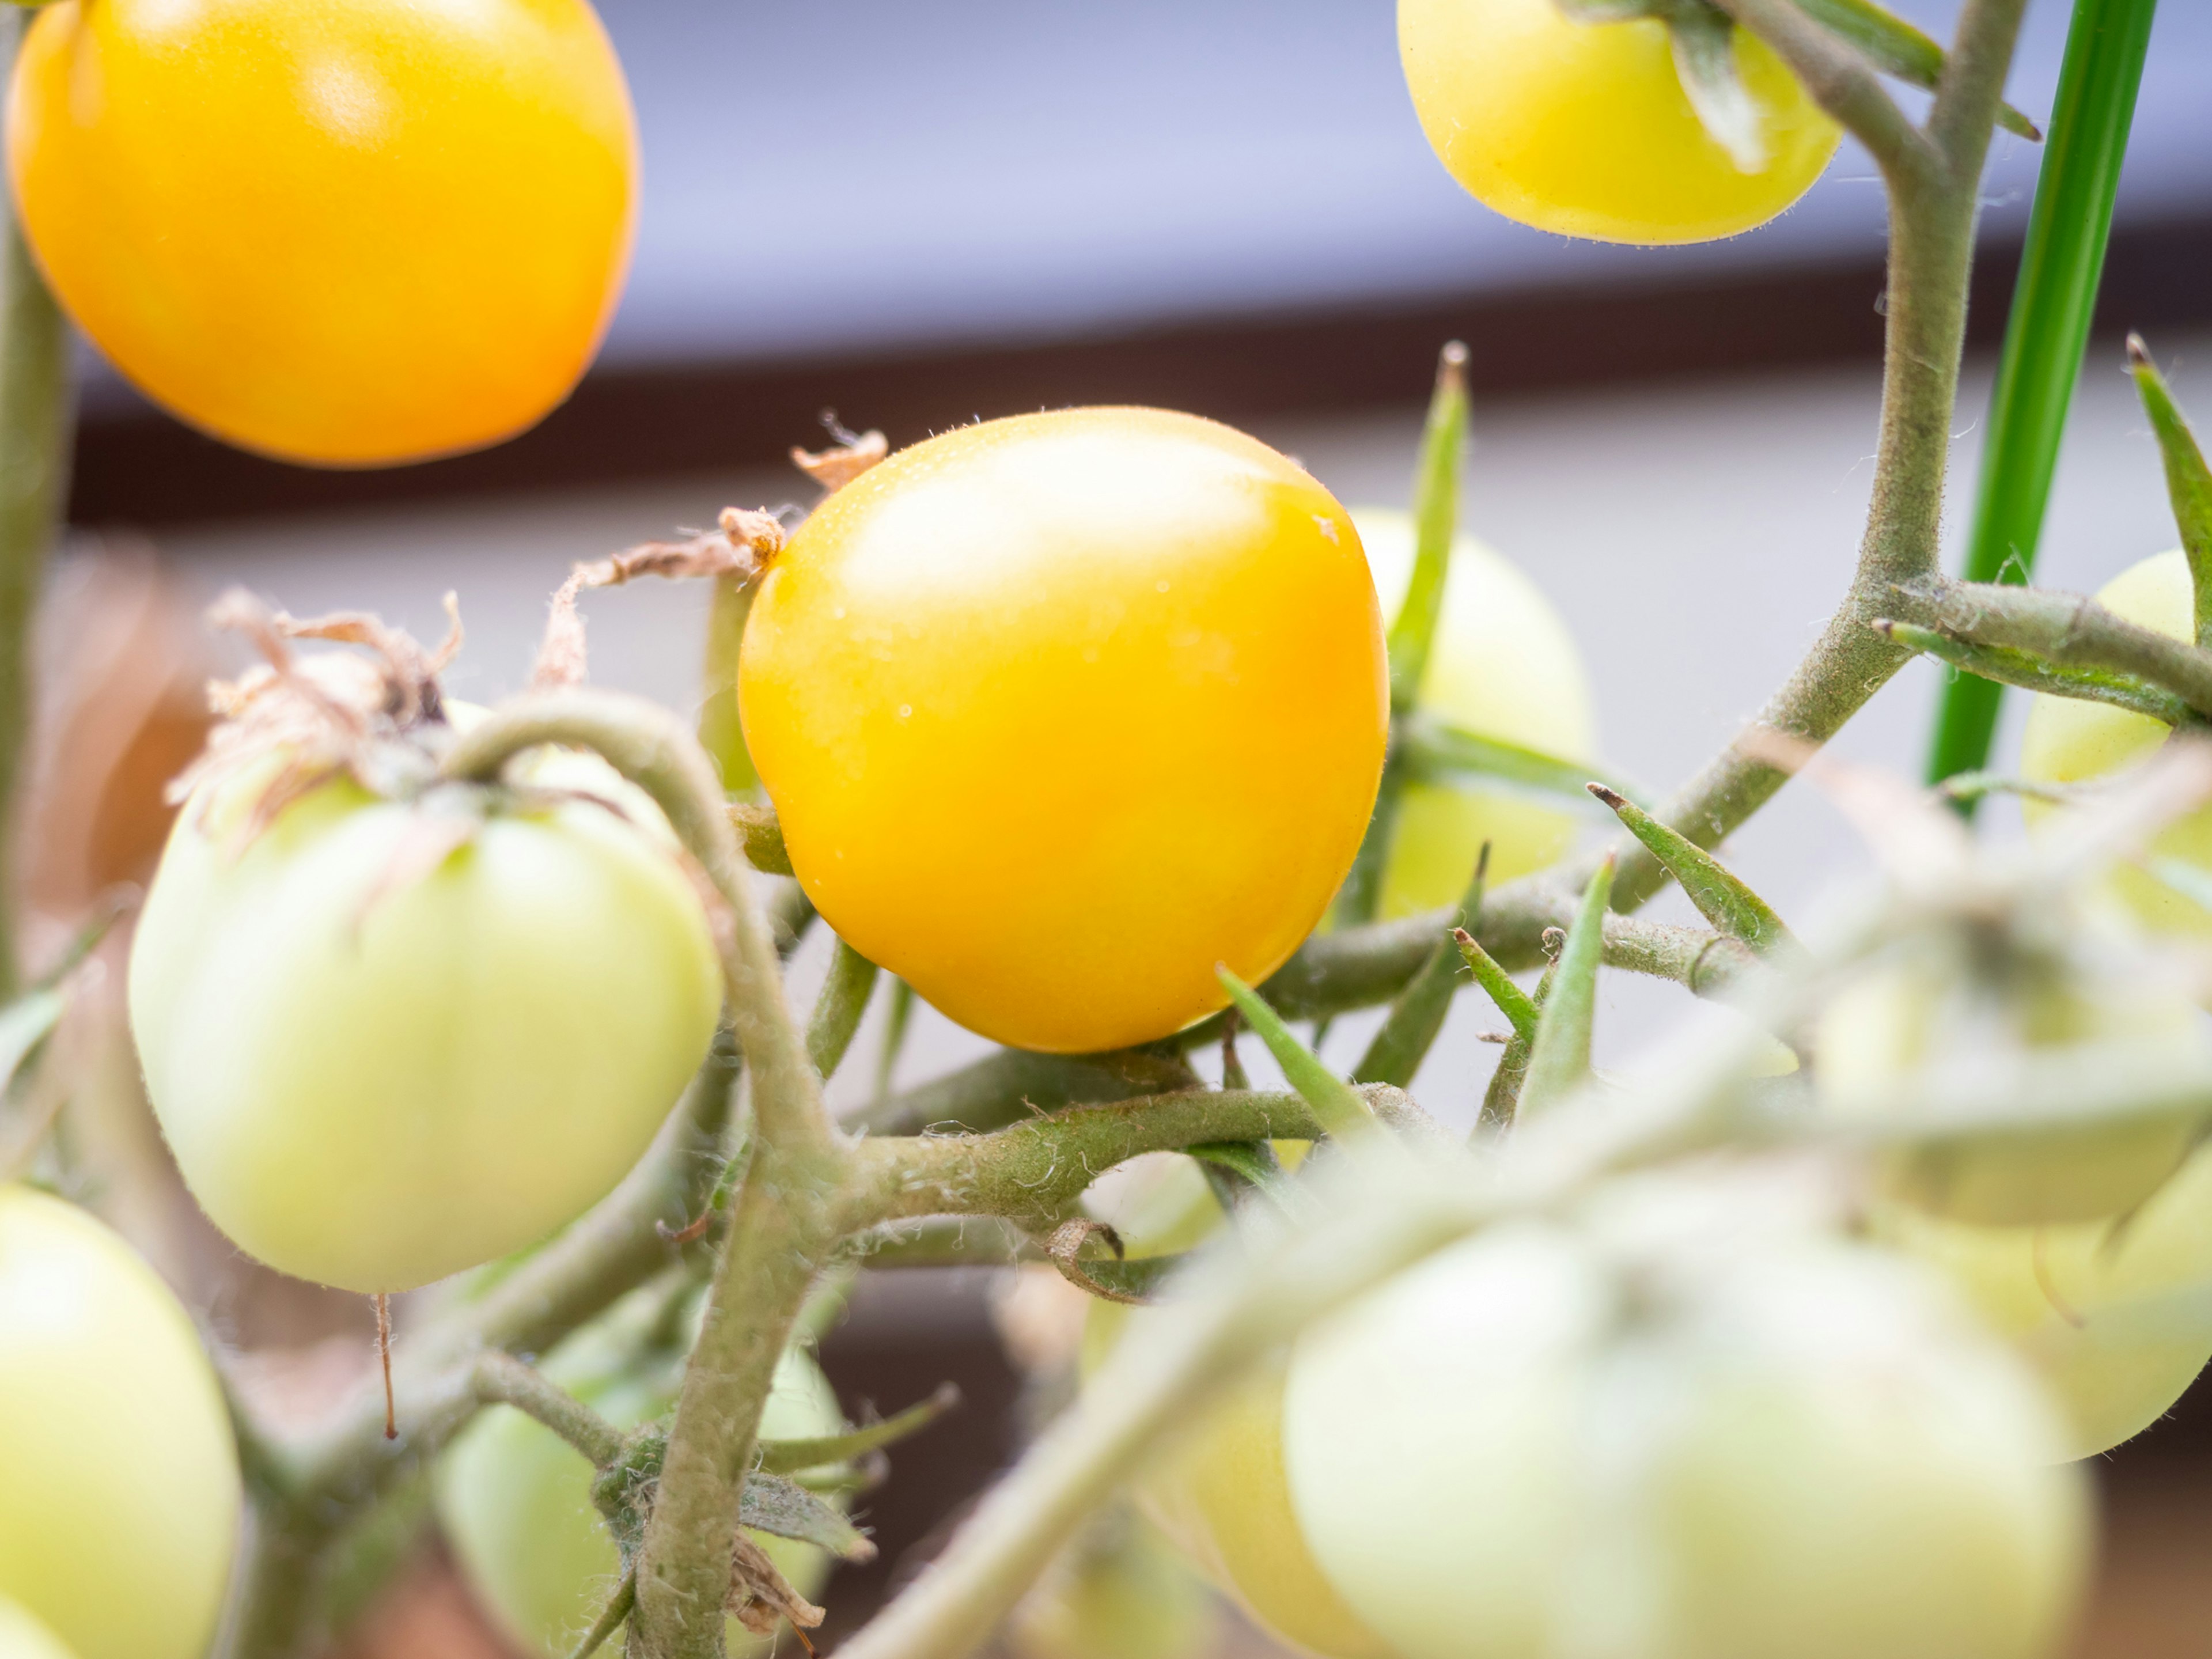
[2010, 667]
[1894, 46]
[1410, 1029]
[789, 1456]
[1704, 40]
[2188, 482]
[1720, 896]
[772, 1504]
[1437, 752]
[1342, 1113]
[1436, 521]
[1559, 1058]
[1519, 1008]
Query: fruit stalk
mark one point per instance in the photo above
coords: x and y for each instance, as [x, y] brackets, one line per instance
[36, 426]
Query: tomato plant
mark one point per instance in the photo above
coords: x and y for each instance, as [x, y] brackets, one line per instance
[1731, 1442]
[119, 1512]
[1502, 665]
[351, 233]
[1059, 712]
[375, 1073]
[1939, 1022]
[514, 1500]
[2068, 741]
[1584, 127]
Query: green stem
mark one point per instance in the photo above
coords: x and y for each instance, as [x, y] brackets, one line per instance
[35, 433]
[2053, 302]
[837, 1011]
[1410, 1029]
[2033, 673]
[499, 1379]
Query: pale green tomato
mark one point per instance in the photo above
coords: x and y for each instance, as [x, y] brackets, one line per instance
[2068, 741]
[118, 1480]
[1502, 665]
[1916, 1021]
[514, 1500]
[2114, 1313]
[22, 1636]
[1220, 1494]
[1540, 1443]
[374, 1075]
[1130, 1597]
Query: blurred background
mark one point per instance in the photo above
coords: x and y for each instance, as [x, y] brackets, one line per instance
[918, 216]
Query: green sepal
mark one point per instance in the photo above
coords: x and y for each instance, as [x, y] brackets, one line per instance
[1435, 522]
[1704, 41]
[1409, 1030]
[1252, 1162]
[761, 833]
[1720, 896]
[2010, 667]
[1501, 1101]
[1559, 1057]
[773, 1505]
[1343, 1113]
[1894, 46]
[1519, 1008]
[790, 1456]
[721, 734]
[2188, 482]
[838, 1010]
[1438, 751]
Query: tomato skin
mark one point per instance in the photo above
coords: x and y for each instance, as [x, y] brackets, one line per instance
[1583, 127]
[375, 1084]
[2111, 1312]
[349, 233]
[1912, 1018]
[1059, 712]
[22, 1636]
[1502, 665]
[1798, 1447]
[514, 1501]
[120, 1508]
[2068, 741]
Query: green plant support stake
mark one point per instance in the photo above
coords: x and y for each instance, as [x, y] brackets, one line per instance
[2046, 333]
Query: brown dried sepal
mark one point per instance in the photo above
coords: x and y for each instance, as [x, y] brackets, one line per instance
[833, 469]
[327, 714]
[760, 1596]
[741, 546]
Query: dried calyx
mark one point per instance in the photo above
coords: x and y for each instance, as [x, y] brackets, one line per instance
[379, 718]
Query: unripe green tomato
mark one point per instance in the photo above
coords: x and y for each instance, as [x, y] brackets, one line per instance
[514, 1500]
[22, 1636]
[119, 1478]
[1131, 1597]
[2068, 741]
[2114, 1313]
[374, 1076]
[1911, 1020]
[1536, 1443]
[1585, 129]
[1502, 665]
[1219, 1493]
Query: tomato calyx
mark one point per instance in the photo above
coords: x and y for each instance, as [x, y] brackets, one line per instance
[1704, 40]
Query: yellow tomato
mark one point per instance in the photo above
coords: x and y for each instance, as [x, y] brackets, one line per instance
[118, 1481]
[1585, 129]
[2069, 741]
[2112, 1313]
[349, 233]
[22, 1636]
[1502, 665]
[1060, 712]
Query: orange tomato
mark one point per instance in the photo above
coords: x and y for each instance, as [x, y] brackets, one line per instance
[343, 232]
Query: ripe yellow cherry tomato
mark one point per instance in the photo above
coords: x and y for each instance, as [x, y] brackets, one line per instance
[2068, 741]
[374, 1075]
[1585, 129]
[119, 1499]
[1928, 1021]
[1502, 665]
[2113, 1313]
[22, 1636]
[1062, 711]
[514, 1500]
[1736, 1448]
[350, 233]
